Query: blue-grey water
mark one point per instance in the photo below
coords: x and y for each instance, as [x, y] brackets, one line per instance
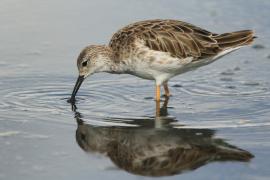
[216, 124]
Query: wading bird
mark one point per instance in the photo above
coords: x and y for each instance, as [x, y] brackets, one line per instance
[158, 50]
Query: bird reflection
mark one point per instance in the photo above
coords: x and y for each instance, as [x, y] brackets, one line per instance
[152, 150]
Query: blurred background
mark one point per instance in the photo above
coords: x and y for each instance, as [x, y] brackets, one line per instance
[40, 41]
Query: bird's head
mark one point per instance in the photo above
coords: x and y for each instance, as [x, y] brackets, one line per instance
[92, 59]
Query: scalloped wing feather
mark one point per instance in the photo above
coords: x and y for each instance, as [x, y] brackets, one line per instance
[178, 38]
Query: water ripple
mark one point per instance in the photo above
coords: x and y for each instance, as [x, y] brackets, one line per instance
[113, 102]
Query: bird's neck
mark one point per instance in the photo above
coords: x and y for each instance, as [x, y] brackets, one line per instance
[112, 64]
[117, 67]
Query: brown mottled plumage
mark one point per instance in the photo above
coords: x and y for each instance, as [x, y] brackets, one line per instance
[178, 38]
[158, 50]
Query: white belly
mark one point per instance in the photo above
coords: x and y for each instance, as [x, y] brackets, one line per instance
[160, 70]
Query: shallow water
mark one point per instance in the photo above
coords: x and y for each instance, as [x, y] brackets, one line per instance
[215, 126]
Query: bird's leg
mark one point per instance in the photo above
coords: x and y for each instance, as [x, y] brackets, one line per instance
[166, 89]
[163, 109]
[157, 109]
[158, 93]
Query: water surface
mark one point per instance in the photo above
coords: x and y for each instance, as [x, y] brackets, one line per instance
[215, 126]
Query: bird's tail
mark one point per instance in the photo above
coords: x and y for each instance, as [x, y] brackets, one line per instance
[235, 39]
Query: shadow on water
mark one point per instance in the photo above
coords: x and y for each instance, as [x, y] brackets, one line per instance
[155, 147]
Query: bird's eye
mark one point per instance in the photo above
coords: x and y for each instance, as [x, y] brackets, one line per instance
[84, 63]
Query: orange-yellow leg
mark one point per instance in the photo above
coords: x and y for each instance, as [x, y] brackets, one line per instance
[166, 89]
[157, 92]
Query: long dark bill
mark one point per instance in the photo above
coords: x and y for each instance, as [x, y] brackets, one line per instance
[76, 88]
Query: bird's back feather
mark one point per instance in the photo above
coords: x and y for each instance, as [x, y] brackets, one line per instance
[179, 39]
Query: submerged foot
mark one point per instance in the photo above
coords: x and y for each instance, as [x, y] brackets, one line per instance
[166, 95]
